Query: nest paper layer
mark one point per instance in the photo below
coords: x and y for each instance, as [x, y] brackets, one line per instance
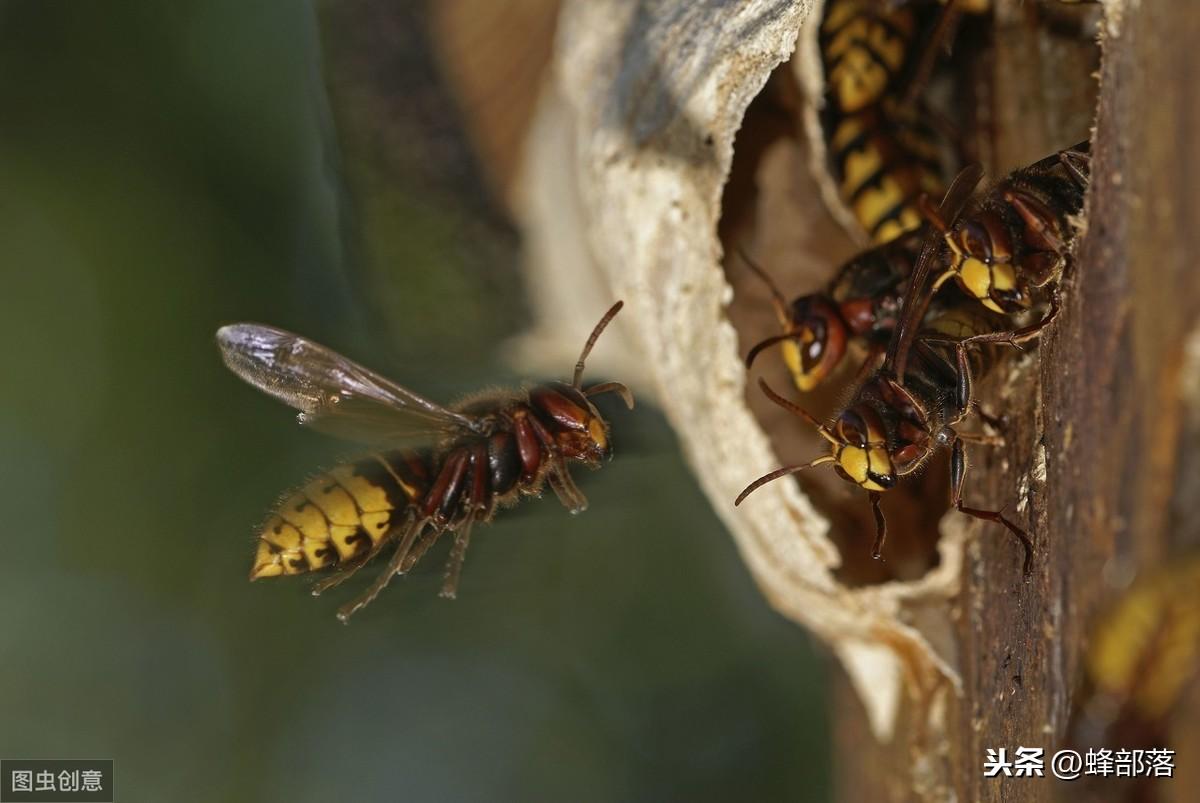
[627, 159]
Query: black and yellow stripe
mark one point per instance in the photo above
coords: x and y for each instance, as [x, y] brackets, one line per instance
[337, 516]
[865, 49]
[882, 166]
[881, 155]
[1145, 649]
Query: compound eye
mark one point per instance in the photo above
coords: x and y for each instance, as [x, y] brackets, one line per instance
[569, 409]
[851, 429]
[818, 342]
[809, 316]
[975, 240]
[814, 343]
[574, 394]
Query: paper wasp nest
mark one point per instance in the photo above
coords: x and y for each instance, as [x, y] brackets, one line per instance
[631, 189]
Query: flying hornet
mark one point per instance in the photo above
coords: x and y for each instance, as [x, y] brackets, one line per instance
[438, 470]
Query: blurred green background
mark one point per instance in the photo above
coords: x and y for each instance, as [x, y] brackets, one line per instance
[169, 167]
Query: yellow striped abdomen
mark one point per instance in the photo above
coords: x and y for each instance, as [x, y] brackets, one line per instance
[882, 167]
[337, 516]
[883, 155]
[864, 48]
[1146, 648]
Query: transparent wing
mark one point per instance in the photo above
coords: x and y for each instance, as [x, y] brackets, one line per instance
[917, 296]
[332, 393]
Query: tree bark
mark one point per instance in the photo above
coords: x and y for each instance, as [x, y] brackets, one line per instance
[1109, 412]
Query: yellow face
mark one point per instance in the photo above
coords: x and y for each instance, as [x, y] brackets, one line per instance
[986, 283]
[805, 380]
[976, 278]
[860, 451]
[598, 433]
[579, 431]
[865, 466]
[1004, 282]
[815, 339]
